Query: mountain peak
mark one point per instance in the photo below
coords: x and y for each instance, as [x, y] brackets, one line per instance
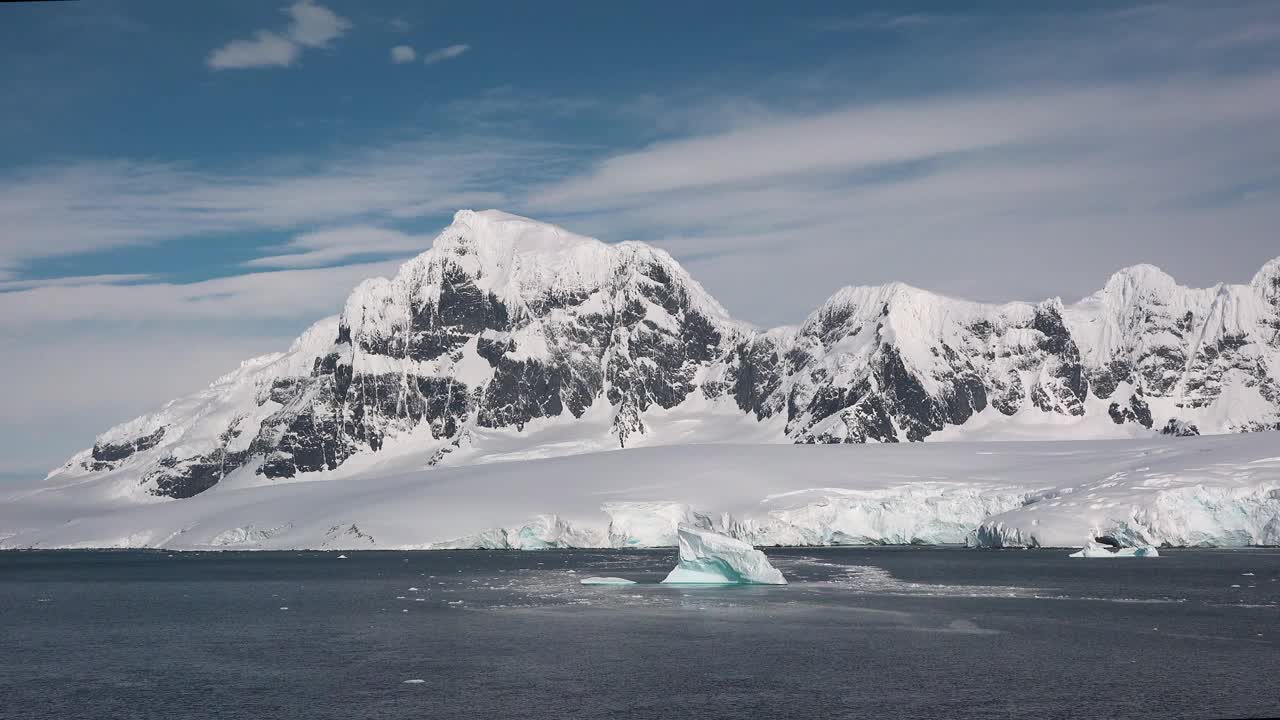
[495, 227]
[1267, 281]
[1142, 275]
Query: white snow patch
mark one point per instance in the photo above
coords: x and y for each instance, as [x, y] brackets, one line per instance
[607, 580]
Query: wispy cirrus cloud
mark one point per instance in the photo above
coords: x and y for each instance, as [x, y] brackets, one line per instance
[296, 296]
[335, 245]
[873, 22]
[1118, 173]
[867, 137]
[71, 208]
[72, 281]
[310, 26]
[445, 53]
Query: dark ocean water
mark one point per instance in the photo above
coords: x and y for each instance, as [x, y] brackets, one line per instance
[859, 633]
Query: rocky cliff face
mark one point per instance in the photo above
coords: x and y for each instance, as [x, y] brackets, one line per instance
[506, 323]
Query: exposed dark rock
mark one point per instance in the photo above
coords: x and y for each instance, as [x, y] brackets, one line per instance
[1105, 379]
[108, 453]
[1136, 410]
[187, 477]
[1179, 428]
[492, 349]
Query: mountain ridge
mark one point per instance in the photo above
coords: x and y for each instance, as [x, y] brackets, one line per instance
[507, 327]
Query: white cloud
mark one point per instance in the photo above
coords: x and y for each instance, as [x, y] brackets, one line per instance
[71, 281]
[311, 26]
[314, 25]
[253, 299]
[445, 53]
[266, 49]
[867, 137]
[66, 209]
[333, 245]
[402, 54]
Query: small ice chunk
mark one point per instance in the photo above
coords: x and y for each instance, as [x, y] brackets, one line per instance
[1094, 549]
[709, 558]
[413, 589]
[286, 607]
[606, 581]
[342, 557]
[1138, 552]
[414, 681]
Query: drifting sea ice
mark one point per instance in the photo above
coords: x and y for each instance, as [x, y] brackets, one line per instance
[606, 581]
[1094, 549]
[709, 558]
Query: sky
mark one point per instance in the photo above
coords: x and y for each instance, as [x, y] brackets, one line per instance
[186, 185]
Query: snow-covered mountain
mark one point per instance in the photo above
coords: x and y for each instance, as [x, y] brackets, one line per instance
[511, 338]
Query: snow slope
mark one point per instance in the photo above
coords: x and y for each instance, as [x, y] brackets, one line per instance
[1219, 490]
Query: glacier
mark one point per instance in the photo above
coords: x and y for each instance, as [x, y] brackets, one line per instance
[709, 558]
[1221, 490]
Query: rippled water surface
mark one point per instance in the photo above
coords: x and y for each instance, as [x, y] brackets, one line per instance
[879, 632]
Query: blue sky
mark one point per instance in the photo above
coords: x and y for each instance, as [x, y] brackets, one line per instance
[183, 185]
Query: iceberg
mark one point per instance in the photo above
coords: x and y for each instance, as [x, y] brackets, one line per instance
[709, 558]
[606, 581]
[1138, 552]
[1093, 549]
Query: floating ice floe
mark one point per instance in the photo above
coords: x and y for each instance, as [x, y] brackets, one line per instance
[1094, 549]
[606, 581]
[709, 558]
[342, 557]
